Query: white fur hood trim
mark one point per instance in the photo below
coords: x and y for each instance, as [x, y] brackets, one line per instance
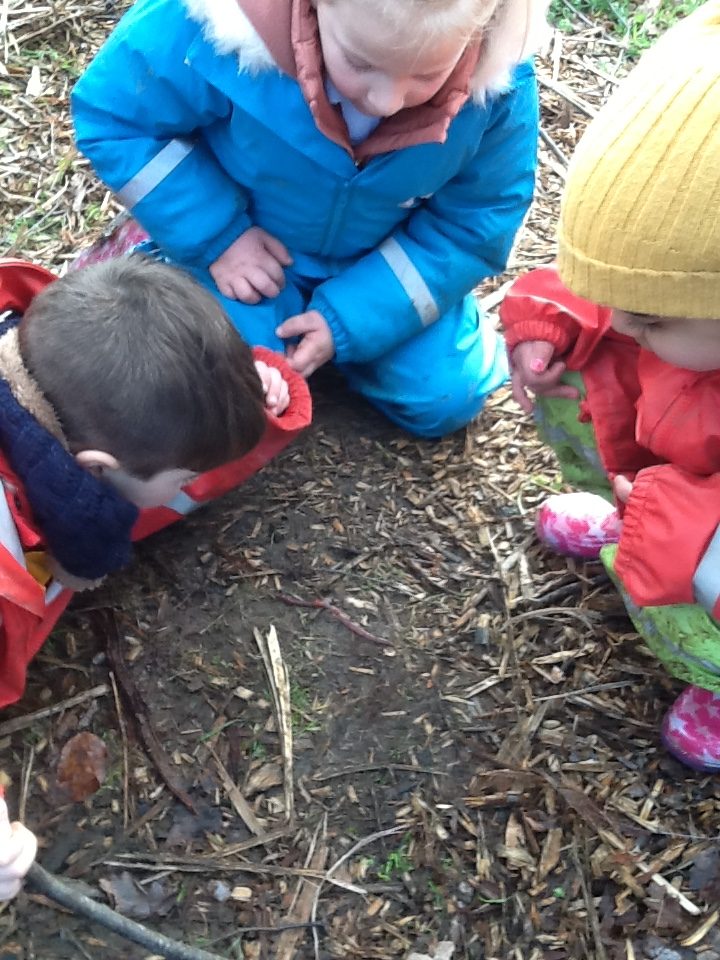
[227, 28]
[516, 31]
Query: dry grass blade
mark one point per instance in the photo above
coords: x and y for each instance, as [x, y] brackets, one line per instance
[240, 804]
[301, 907]
[280, 686]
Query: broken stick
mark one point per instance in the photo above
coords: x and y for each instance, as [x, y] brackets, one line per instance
[51, 886]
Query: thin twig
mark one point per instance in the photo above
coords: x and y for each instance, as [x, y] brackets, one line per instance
[336, 612]
[367, 767]
[126, 763]
[592, 914]
[200, 865]
[549, 142]
[572, 98]
[20, 723]
[106, 626]
[25, 784]
[242, 807]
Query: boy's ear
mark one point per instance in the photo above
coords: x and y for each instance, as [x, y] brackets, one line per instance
[97, 461]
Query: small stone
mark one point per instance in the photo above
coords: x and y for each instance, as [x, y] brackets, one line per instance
[243, 894]
[465, 891]
[219, 891]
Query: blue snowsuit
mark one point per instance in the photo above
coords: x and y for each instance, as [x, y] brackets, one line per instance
[388, 252]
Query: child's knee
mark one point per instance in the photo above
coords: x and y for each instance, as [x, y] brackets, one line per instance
[684, 637]
[452, 399]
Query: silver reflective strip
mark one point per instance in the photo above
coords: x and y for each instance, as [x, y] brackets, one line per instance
[182, 503]
[706, 581]
[153, 173]
[8, 531]
[410, 280]
[53, 589]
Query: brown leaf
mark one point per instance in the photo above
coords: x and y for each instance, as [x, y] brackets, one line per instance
[704, 875]
[550, 855]
[82, 766]
[267, 776]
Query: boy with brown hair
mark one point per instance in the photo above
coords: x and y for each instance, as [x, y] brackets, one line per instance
[119, 384]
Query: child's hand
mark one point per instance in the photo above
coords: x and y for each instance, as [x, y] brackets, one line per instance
[277, 395]
[18, 847]
[622, 488]
[251, 267]
[316, 344]
[533, 369]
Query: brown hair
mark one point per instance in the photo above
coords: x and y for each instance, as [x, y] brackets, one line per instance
[140, 361]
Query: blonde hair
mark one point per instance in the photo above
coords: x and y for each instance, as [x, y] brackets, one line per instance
[433, 18]
[512, 30]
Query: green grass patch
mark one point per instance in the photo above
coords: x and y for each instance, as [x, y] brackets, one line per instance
[398, 862]
[301, 704]
[628, 20]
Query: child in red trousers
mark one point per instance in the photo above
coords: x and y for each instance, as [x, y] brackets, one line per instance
[621, 344]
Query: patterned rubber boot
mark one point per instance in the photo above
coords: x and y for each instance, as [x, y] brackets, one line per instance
[577, 524]
[122, 236]
[691, 729]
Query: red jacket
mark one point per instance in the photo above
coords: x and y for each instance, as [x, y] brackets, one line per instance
[28, 609]
[658, 425]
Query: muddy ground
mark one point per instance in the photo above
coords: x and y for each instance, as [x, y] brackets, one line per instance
[507, 724]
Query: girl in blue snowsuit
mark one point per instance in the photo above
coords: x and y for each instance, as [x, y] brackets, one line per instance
[340, 174]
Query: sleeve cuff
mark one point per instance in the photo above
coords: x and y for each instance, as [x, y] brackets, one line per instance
[545, 330]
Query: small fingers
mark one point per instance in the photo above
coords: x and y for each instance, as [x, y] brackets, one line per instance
[303, 360]
[293, 327]
[274, 387]
[262, 282]
[9, 889]
[283, 398]
[17, 852]
[278, 250]
[224, 287]
[244, 291]
[519, 394]
[622, 488]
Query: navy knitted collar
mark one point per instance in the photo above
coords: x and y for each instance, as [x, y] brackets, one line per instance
[84, 522]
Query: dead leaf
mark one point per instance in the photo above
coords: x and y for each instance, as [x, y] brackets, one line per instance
[82, 766]
[267, 776]
[550, 855]
[704, 875]
[132, 900]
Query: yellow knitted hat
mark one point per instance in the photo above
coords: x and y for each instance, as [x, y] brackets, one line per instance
[640, 218]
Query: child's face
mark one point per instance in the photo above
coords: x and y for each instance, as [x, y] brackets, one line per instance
[689, 344]
[377, 73]
[157, 490]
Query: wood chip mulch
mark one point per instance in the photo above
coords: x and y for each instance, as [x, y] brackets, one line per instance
[353, 710]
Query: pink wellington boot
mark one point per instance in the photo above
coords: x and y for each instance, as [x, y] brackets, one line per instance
[577, 524]
[691, 729]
